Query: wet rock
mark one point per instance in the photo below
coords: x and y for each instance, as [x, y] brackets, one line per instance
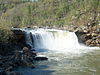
[2, 73]
[88, 42]
[28, 52]
[12, 73]
[8, 48]
[10, 68]
[40, 58]
[1, 57]
[27, 61]
[16, 58]
[24, 58]
[9, 73]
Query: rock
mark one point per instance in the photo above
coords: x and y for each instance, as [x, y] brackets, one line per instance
[8, 48]
[12, 73]
[7, 66]
[1, 63]
[28, 52]
[88, 42]
[1, 57]
[10, 68]
[2, 73]
[89, 35]
[94, 34]
[27, 61]
[40, 58]
[24, 58]
[16, 58]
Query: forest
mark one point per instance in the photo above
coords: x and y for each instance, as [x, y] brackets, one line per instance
[42, 13]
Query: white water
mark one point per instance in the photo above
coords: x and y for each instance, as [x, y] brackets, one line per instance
[56, 40]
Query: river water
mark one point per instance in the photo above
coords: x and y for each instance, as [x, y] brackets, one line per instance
[61, 63]
[65, 55]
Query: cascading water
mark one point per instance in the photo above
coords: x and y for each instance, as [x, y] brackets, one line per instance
[66, 55]
[53, 39]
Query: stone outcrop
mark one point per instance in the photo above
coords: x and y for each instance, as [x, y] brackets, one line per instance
[25, 58]
[8, 48]
[90, 36]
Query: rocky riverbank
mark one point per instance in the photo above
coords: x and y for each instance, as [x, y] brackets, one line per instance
[8, 48]
[23, 58]
[90, 36]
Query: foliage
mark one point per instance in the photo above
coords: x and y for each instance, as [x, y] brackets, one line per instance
[23, 13]
[5, 35]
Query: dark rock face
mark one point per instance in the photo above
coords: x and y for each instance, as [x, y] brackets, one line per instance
[9, 73]
[8, 48]
[25, 58]
[40, 58]
[2, 73]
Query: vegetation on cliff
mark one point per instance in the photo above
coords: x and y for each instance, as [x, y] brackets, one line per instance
[53, 13]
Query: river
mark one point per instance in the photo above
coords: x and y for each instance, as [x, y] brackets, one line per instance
[66, 56]
[86, 63]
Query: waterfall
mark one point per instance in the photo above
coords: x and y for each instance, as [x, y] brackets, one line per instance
[51, 39]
